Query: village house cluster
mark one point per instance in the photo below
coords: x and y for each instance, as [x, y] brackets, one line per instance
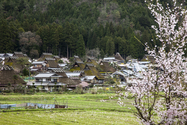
[51, 72]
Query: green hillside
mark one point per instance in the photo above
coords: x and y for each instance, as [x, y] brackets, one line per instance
[36, 26]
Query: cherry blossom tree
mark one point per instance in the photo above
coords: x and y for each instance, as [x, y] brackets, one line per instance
[160, 97]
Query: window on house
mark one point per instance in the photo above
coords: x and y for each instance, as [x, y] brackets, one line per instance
[54, 80]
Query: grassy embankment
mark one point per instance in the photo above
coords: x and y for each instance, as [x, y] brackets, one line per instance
[82, 109]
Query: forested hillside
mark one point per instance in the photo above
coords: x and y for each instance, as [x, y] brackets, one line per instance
[36, 26]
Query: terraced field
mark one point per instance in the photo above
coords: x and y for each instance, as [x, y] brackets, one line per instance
[83, 109]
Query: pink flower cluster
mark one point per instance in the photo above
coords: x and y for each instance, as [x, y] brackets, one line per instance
[160, 97]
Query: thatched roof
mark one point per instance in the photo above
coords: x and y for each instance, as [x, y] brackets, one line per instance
[52, 64]
[18, 54]
[148, 58]
[92, 61]
[90, 70]
[106, 67]
[25, 55]
[7, 75]
[78, 66]
[76, 58]
[44, 56]
[118, 57]
[56, 57]
[11, 59]
[72, 81]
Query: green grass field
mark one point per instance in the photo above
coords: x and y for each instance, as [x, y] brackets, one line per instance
[83, 109]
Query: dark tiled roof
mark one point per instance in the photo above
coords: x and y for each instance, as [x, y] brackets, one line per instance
[58, 70]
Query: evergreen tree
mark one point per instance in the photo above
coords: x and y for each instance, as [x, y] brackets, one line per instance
[110, 47]
[6, 37]
[102, 54]
[80, 47]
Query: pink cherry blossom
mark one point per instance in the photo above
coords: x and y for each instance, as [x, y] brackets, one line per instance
[160, 96]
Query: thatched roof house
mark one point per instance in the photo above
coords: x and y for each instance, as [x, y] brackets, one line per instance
[18, 54]
[18, 63]
[45, 55]
[11, 59]
[90, 70]
[71, 82]
[57, 58]
[118, 57]
[106, 67]
[77, 66]
[76, 58]
[51, 63]
[148, 58]
[92, 61]
[8, 76]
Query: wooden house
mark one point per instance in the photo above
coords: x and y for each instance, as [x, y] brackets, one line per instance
[71, 82]
[38, 66]
[18, 54]
[44, 56]
[57, 58]
[92, 61]
[9, 78]
[77, 66]
[13, 61]
[119, 58]
[51, 63]
[148, 58]
[89, 79]
[47, 81]
[106, 68]
[10, 60]
[76, 58]
[90, 70]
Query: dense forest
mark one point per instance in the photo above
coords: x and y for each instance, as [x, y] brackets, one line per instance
[69, 27]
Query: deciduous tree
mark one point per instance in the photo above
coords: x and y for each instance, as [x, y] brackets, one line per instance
[160, 97]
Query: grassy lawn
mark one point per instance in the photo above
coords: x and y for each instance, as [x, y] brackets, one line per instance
[82, 109]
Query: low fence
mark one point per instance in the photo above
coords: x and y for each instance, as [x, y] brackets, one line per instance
[34, 104]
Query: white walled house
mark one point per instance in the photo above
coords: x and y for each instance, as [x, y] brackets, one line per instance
[38, 66]
[47, 81]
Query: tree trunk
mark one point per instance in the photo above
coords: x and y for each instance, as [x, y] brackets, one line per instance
[67, 51]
